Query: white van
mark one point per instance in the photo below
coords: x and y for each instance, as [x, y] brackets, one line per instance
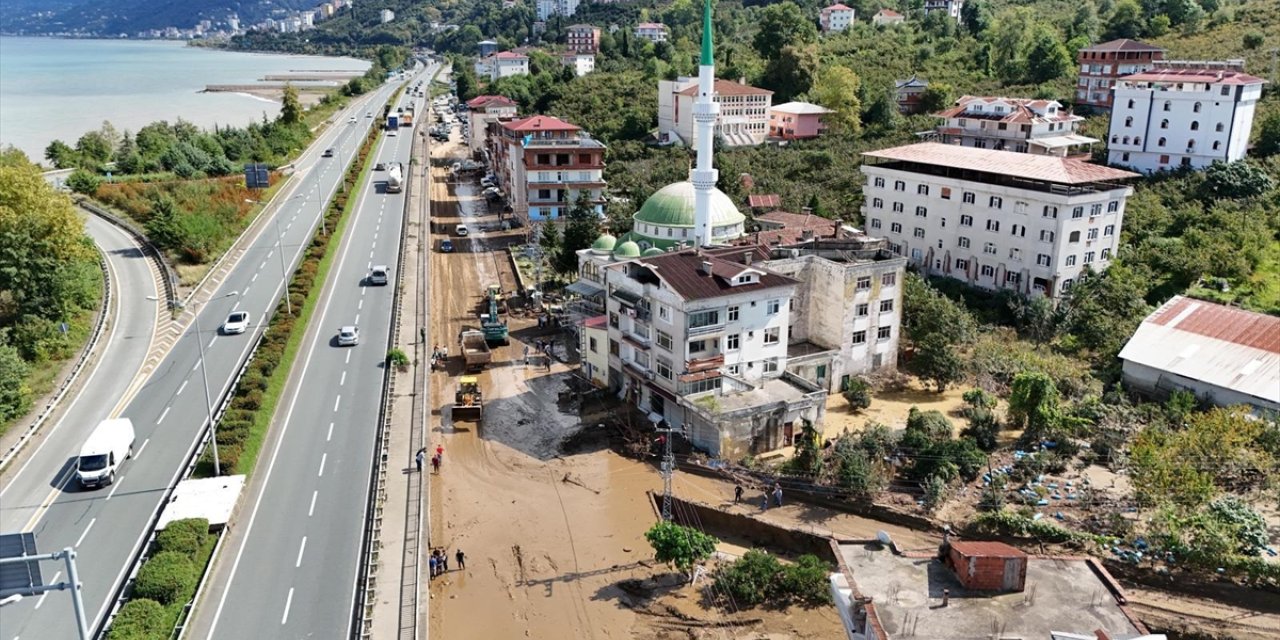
[106, 449]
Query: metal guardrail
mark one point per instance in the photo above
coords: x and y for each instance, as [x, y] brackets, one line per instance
[167, 272]
[85, 356]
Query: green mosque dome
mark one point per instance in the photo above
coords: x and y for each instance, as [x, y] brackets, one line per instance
[627, 249]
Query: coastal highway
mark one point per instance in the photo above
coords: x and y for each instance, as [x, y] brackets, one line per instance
[109, 525]
[290, 568]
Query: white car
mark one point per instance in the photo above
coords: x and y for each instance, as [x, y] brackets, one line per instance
[348, 336]
[352, 120]
[237, 322]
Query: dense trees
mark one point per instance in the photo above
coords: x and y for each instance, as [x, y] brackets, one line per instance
[679, 546]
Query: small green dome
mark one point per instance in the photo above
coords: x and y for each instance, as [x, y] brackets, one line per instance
[627, 249]
[672, 206]
[652, 251]
[604, 243]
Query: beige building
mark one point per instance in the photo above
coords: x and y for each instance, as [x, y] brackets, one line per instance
[743, 119]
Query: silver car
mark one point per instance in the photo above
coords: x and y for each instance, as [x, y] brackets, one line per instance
[348, 336]
[237, 322]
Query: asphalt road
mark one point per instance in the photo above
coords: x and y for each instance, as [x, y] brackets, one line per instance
[293, 570]
[108, 525]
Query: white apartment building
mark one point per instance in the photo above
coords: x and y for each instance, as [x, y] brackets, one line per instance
[995, 219]
[1182, 114]
[502, 65]
[950, 7]
[743, 119]
[582, 63]
[387, 15]
[1012, 124]
[548, 8]
[836, 18]
[652, 31]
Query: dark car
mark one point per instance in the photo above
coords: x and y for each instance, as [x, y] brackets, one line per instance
[446, 245]
[328, 153]
[381, 166]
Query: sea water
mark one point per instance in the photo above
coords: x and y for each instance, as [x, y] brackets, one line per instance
[53, 88]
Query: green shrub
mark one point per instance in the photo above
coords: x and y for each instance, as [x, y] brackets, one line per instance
[758, 577]
[857, 393]
[167, 577]
[397, 358]
[140, 619]
[184, 536]
[15, 396]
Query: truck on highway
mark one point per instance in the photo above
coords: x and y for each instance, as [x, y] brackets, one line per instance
[110, 444]
[393, 122]
[406, 119]
[395, 178]
[475, 350]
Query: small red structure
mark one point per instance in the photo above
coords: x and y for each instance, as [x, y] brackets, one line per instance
[988, 566]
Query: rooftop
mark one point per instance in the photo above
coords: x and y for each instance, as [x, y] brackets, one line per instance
[540, 123]
[651, 25]
[1008, 163]
[579, 27]
[1223, 346]
[764, 201]
[1123, 44]
[509, 55]
[836, 7]
[801, 108]
[1062, 594]
[772, 391]
[1012, 110]
[682, 272]
[490, 101]
[1207, 75]
[728, 88]
[889, 13]
[909, 82]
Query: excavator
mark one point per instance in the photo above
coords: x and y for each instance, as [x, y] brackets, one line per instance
[468, 403]
[494, 327]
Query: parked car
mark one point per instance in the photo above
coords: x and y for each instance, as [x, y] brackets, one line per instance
[446, 246]
[348, 336]
[237, 322]
[461, 230]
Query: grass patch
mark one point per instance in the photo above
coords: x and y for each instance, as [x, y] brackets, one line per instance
[1259, 292]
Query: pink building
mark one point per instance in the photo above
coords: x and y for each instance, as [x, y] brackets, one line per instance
[797, 120]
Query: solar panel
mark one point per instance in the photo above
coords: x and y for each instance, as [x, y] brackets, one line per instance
[18, 577]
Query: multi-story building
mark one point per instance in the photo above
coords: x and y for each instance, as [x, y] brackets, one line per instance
[488, 47]
[909, 94]
[652, 31]
[502, 65]
[950, 7]
[481, 110]
[544, 163]
[1102, 64]
[547, 8]
[797, 120]
[1040, 127]
[995, 219]
[743, 119]
[582, 63]
[836, 18]
[593, 345]
[583, 38]
[888, 17]
[1182, 114]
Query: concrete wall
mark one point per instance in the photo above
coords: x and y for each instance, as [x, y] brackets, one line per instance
[722, 523]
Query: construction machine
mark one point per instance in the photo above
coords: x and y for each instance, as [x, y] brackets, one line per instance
[468, 403]
[494, 327]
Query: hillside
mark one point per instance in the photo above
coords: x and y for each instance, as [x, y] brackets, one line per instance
[109, 19]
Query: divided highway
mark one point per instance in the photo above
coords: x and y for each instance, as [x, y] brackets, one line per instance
[107, 526]
[291, 568]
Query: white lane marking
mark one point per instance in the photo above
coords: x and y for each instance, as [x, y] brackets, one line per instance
[269, 254]
[348, 357]
[287, 602]
[45, 594]
[323, 458]
[361, 304]
[163, 414]
[254, 278]
[114, 487]
[336, 401]
[329, 436]
[357, 319]
[86, 532]
[196, 365]
[263, 265]
[313, 503]
[343, 380]
[245, 292]
[211, 341]
[139, 451]
[184, 386]
[301, 548]
[371, 254]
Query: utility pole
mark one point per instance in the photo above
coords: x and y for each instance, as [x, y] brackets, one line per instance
[668, 468]
[72, 584]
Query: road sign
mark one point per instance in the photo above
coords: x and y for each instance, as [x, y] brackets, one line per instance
[18, 577]
[256, 176]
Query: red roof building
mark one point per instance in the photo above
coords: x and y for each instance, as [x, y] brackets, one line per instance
[544, 163]
[1102, 64]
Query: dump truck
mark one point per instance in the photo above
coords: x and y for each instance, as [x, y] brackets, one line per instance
[475, 350]
[468, 403]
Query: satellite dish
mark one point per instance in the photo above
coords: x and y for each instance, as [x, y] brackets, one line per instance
[884, 538]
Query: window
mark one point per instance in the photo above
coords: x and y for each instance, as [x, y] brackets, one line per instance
[1077, 212]
[1131, 104]
[942, 222]
[946, 193]
[592, 345]
[995, 202]
[879, 182]
[1160, 143]
[969, 198]
[1088, 257]
[1071, 261]
[1050, 212]
[771, 307]
[614, 348]
[770, 365]
[1128, 122]
[1011, 277]
[922, 212]
[884, 333]
[1109, 230]
[733, 313]
[664, 340]
[877, 203]
[993, 225]
[897, 207]
[1226, 90]
[895, 228]
[1074, 236]
[1095, 210]
[704, 319]
[664, 367]
[1195, 108]
[735, 369]
[886, 306]
[1218, 127]
[864, 283]
[989, 248]
[733, 342]
[1093, 234]
[1195, 125]
[1043, 259]
[1106, 254]
[664, 313]
[1015, 254]
[918, 232]
[962, 265]
[988, 271]
[862, 309]
[771, 335]
[859, 337]
[613, 320]
[1168, 106]
[875, 223]
[1216, 145]
[1164, 159]
[899, 185]
[1113, 206]
[966, 221]
[1046, 236]
[1018, 230]
[888, 279]
[922, 189]
[963, 242]
[1066, 285]
[1164, 124]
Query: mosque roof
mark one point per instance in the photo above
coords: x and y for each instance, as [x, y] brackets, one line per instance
[672, 206]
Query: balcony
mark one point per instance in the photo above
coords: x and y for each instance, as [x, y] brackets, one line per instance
[704, 363]
[705, 330]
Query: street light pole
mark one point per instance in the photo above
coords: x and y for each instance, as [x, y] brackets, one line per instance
[288, 304]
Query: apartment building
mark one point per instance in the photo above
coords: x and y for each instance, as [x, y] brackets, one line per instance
[743, 118]
[1021, 125]
[488, 47]
[502, 65]
[836, 18]
[547, 8]
[950, 7]
[481, 110]
[909, 94]
[581, 63]
[583, 38]
[797, 120]
[543, 163]
[652, 31]
[1102, 64]
[1182, 114]
[995, 219]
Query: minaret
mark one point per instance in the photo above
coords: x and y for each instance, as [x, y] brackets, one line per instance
[705, 112]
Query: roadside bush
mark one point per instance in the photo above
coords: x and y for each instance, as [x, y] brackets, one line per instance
[81, 181]
[397, 358]
[251, 400]
[15, 397]
[184, 536]
[140, 619]
[229, 457]
[167, 578]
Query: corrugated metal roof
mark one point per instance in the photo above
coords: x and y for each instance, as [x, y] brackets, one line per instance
[1022, 165]
[1219, 345]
